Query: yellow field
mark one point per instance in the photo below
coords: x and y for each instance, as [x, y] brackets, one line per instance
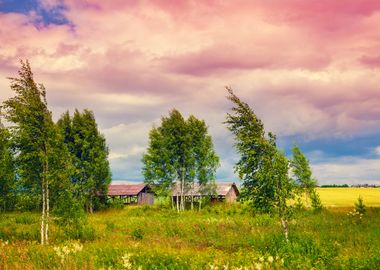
[346, 197]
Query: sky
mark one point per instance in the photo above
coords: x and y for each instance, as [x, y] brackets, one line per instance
[309, 69]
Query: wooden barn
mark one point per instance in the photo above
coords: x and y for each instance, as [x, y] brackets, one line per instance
[221, 191]
[132, 193]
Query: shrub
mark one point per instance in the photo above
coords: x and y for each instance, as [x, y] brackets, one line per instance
[316, 202]
[360, 207]
[115, 203]
[137, 234]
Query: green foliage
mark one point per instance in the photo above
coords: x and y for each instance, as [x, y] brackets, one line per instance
[179, 149]
[91, 175]
[7, 171]
[303, 176]
[316, 202]
[115, 203]
[360, 206]
[41, 158]
[137, 234]
[69, 214]
[263, 169]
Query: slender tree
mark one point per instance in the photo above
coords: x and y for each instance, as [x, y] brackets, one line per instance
[262, 167]
[302, 173]
[179, 152]
[39, 159]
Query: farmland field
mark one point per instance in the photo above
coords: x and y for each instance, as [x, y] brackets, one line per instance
[217, 237]
[348, 196]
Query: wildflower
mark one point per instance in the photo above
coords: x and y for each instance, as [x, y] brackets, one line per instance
[126, 261]
[259, 266]
[213, 267]
[270, 259]
[261, 259]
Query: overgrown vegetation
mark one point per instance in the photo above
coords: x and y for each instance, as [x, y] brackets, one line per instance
[217, 237]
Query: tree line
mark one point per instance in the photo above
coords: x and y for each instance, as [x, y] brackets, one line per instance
[49, 166]
[63, 167]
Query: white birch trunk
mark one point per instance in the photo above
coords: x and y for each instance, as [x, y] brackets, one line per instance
[182, 193]
[307, 198]
[285, 228]
[177, 200]
[43, 212]
[47, 205]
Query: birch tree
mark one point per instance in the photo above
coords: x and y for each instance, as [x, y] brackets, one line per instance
[262, 167]
[180, 151]
[40, 155]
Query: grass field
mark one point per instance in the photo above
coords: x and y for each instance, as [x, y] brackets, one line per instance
[345, 197]
[223, 237]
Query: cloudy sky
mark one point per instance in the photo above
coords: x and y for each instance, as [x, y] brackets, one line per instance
[309, 69]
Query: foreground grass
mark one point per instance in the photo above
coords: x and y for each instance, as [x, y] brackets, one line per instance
[221, 237]
[345, 197]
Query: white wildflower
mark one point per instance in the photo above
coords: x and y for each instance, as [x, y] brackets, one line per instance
[126, 261]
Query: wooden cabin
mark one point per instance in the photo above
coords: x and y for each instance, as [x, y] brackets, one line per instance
[132, 193]
[227, 192]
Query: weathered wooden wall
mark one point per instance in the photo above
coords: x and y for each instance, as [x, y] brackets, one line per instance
[146, 198]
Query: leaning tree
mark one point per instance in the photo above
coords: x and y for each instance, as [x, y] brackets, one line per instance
[262, 167]
[40, 156]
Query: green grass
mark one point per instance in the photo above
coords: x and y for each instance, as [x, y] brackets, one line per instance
[345, 197]
[220, 237]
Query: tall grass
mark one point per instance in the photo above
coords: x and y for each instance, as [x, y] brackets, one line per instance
[218, 237]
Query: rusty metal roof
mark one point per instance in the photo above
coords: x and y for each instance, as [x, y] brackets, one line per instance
[125, 189]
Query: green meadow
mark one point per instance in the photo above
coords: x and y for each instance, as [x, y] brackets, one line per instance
[217, 237]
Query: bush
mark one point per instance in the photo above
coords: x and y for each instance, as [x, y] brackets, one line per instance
[316, 202]
[137, 234]
[116, 203]
[69, 215]
[360, 207]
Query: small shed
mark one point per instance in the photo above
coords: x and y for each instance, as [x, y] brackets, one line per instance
[132, 193]
[221, 191]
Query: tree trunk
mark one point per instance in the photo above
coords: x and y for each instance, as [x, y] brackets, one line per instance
[43, 211]
[182, 192]
[285, 228]
[47, 202]
[91, 208]
[200, 202]
[192, 201]
[172, 201]
[177, 202]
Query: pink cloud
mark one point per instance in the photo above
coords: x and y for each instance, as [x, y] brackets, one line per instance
[371, 61]
[307, 67]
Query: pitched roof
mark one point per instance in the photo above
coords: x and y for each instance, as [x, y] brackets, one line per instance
[125, 189]
[221, 189]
